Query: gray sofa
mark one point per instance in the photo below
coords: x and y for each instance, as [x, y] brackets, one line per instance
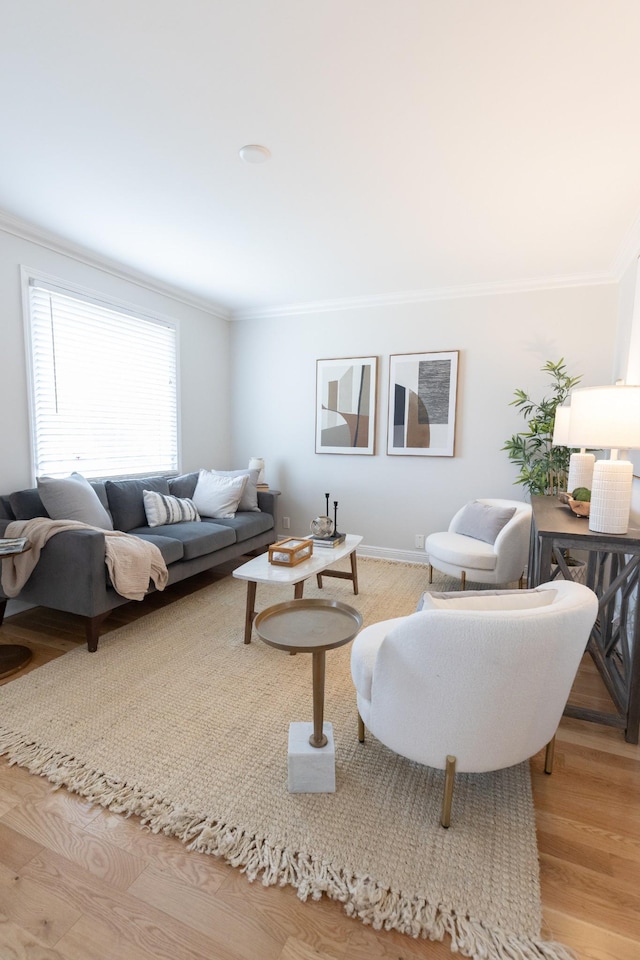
[71, 574]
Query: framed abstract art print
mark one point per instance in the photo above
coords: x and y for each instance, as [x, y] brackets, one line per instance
[346, 405]
[422, 404]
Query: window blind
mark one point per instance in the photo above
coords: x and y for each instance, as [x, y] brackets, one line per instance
[104, 391]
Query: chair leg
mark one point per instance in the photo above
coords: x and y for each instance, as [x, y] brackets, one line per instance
[463, 578]
[447, 797]
[430, 574]
[521, 581]
[360, 729]
[549, 754]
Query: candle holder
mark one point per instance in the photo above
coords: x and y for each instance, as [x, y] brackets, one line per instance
[325, 530]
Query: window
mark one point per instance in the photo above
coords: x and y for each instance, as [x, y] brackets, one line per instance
[103, 386]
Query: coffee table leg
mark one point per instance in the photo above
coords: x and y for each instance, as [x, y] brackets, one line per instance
[354, 572]
[317, 738]
[298, 590]
[250, 611]
[342, 574]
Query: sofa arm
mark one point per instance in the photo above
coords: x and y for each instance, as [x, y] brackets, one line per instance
[71, 575]
[268, 503]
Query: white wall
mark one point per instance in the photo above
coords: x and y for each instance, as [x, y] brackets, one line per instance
[503, 341]
[204, 359]
[627, 361]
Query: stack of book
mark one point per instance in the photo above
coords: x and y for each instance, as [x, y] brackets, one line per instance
[9, 546]
[333, 541]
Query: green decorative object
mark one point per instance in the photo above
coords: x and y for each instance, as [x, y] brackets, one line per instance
[581, 493]
[543, 467]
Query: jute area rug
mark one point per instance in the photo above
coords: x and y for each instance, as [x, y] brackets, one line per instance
[175, 720]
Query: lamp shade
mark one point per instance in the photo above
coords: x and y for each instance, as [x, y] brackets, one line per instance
[561, 427]
[605, 417]
[257, 463]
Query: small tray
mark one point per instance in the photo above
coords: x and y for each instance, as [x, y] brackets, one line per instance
[308, 625]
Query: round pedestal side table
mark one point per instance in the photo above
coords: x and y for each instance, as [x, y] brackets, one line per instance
[310, 626]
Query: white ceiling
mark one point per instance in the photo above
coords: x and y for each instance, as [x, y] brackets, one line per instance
[418, 146]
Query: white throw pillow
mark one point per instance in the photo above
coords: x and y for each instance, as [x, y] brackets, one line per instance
[73, 498]
[249, 499]
[217, 496]
[161, 508]
[491, 600]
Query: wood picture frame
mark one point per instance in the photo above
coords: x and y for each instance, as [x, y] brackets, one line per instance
[423, 391]
[346, 405]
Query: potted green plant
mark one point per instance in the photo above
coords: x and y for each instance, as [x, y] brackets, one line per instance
[543, 467]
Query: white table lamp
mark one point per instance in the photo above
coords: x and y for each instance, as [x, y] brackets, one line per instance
[580, 464]
[608, 418]
[257, 463]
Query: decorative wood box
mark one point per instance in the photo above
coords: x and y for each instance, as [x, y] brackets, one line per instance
[287, 553]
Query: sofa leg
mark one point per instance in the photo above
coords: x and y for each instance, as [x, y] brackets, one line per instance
[463, 578]
[360, 729]
[92, 630]
[430, 573]
[3, 607]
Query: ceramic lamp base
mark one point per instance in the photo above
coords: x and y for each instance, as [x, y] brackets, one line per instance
[611, 496]
[580, 471]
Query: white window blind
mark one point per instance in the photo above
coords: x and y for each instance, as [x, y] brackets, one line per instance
[104, 392]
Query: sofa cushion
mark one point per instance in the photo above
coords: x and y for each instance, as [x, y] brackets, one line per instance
[126, 501]
[217, 496]
[161, 508]
[197, 539]
[460, 550]
[184, 485]
[246, 524]
[170, 548]
[26, 504]
[73, 498]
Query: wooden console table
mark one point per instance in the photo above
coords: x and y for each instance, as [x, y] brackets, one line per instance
[613, 568]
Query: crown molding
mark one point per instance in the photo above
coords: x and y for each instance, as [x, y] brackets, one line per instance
[423, 296]
[43, 238]
[28, 231]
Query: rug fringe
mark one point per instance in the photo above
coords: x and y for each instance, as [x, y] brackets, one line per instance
[311, 876]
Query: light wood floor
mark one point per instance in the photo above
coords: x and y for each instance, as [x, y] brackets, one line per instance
[79, 883]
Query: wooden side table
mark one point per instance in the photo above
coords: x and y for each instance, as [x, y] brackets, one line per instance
[13, 656]
[613, 573]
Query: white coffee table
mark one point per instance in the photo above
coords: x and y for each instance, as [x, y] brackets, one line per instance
[259, 570]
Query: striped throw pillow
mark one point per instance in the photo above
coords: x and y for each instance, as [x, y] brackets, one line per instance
[161, 508]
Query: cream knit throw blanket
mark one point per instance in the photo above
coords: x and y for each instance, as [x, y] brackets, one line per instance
[131, 562]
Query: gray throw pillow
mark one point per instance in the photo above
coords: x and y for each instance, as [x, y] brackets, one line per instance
[482, 521]
[73, 498]
[184, 485]
[126, 500]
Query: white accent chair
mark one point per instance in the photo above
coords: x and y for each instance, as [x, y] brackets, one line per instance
[476, 681]
[480, 547]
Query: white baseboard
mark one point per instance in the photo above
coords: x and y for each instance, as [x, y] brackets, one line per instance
[390, 553]
[382, 553]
